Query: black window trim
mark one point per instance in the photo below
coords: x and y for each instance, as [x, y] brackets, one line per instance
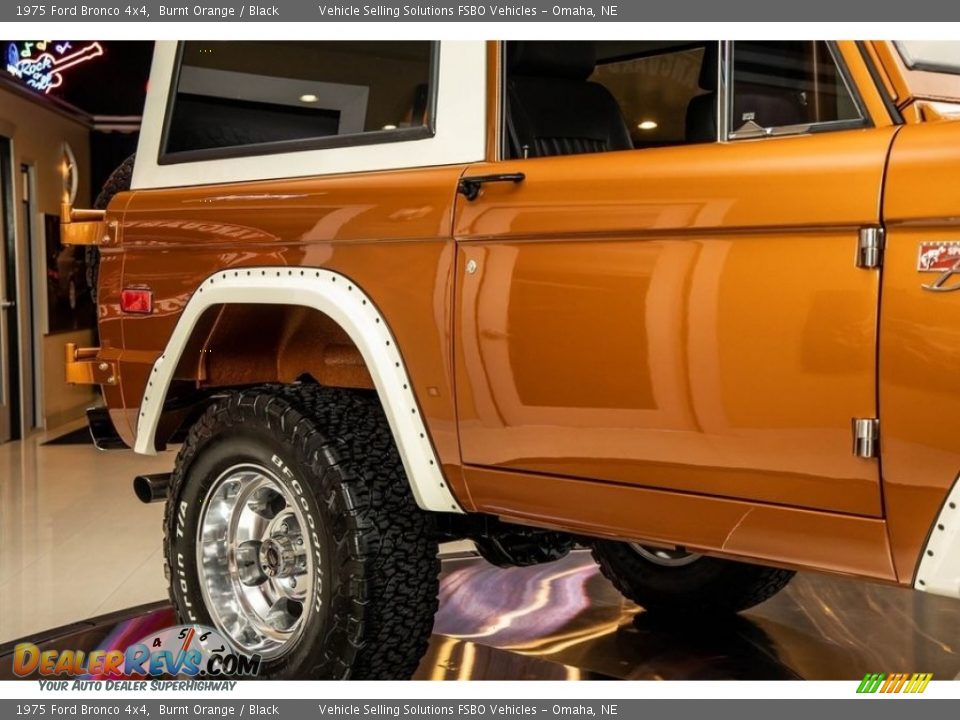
[726, 102]
[374, 137]
[888, 102]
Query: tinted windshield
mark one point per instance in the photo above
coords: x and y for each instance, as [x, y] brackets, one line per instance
[931, 55]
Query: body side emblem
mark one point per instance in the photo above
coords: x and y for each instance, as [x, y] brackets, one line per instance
[941, 257]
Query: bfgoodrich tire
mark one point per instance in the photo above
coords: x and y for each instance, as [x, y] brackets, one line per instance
[334, 567]
[683, 584]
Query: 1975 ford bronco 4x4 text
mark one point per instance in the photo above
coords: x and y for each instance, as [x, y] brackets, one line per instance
[689, 303]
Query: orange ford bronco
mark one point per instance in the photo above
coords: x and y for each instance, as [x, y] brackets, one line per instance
[688, 303]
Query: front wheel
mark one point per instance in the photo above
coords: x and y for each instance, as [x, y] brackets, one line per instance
[680, 583]
[291, 529]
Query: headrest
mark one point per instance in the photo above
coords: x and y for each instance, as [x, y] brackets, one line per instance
[709, 68]
[573, 60]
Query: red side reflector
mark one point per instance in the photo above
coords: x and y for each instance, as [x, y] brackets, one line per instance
[137, 301]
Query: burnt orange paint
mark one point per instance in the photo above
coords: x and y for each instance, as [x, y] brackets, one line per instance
[389, 232]
[775, 535]
[919, 338]
[687, 318]
[663, 345]
[861, 79]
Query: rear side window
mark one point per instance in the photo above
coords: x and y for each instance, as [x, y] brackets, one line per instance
[247, 98]
[789, 87]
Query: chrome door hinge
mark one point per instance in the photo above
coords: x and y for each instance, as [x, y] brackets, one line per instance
[870, 247]
[866, 437]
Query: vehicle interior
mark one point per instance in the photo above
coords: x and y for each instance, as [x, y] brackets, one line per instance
[296, 91]
[571, 97]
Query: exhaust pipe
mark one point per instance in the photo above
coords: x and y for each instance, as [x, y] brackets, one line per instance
[152, 488]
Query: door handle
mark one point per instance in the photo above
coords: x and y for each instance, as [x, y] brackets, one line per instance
[7, 304]
[469, 187]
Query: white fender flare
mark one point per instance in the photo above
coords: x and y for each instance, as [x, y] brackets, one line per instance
[345, 303]
[939, 569]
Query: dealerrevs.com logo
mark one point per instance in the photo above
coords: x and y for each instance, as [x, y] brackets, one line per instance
[182, 650]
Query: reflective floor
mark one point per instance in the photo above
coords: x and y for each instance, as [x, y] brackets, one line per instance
[75, 544]
[820, 627]
[74, 541]
[564, 621]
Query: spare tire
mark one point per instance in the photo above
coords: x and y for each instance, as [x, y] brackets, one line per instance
[119, 181]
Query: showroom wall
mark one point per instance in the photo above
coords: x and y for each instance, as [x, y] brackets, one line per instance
[38, 126]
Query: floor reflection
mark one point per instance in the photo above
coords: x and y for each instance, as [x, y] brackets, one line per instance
[564, 621]
[820, 627]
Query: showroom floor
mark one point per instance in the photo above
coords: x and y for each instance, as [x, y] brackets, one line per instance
[75, 544]
[74, 541]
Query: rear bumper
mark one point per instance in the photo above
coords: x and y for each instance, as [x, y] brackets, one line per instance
[82, 367]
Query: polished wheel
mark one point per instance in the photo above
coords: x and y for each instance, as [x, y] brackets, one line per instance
[664, 557]
[291, 529]
[255, 562]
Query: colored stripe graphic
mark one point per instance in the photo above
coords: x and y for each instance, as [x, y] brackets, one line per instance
[871, 682]
[913, 683]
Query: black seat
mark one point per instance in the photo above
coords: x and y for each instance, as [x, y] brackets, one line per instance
[760, 96]
[701, 123]
[551, 107]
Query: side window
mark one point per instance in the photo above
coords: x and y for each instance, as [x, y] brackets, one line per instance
[789, 87]
[566, 98]
[248, 98]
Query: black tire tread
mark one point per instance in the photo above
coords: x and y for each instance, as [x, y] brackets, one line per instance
[403, 557]
[728, 588]
[386, 596]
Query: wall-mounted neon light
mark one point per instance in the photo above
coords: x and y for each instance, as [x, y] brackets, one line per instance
[40, 64]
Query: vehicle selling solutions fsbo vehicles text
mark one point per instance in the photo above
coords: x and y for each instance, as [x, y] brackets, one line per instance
[470, 10]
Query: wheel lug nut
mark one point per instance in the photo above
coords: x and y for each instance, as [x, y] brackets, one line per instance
[299, 541]
[293, 582]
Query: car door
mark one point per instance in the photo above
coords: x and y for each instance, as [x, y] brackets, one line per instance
[687, 316]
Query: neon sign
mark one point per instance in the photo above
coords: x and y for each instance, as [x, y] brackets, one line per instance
[40, 64]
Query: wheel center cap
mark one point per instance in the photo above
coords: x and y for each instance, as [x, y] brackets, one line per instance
[278, 558]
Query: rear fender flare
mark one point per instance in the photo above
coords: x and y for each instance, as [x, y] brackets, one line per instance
[342, 300]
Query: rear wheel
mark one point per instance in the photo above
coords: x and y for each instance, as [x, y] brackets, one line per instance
[680, 583]
[291, 529]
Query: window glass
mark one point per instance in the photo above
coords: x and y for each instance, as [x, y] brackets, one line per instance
[655, 93]
[246, 94]
[571, 97]
[793, 84]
